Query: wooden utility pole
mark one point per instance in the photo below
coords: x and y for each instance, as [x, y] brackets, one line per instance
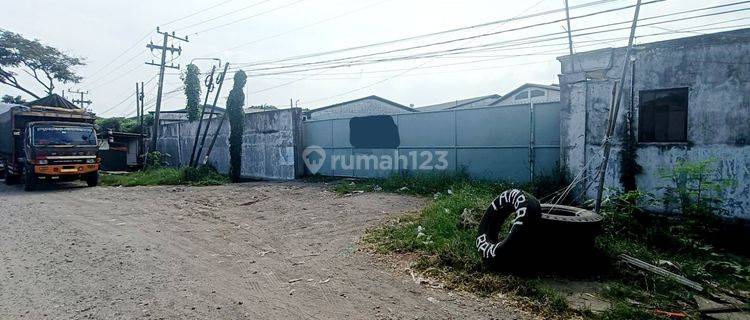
[613, 111]
[163, 64]
[81, 102]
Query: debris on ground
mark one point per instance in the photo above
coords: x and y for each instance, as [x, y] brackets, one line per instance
[469, 219]
[660, 271]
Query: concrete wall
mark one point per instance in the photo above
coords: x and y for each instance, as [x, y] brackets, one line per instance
[360, 108]
[715, 68]
[271, 144]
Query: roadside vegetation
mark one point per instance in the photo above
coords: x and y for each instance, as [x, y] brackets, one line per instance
[157, 173]
[443, 236]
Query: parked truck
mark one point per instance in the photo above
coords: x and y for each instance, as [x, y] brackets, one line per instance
[40, 143]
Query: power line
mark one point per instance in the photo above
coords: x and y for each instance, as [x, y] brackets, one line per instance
[343, 62]
[127, 98]
[400, 74]
[195, 13]
[463, 38]
[223, 15]
[247, 18]
[311, 55]
[310, 25]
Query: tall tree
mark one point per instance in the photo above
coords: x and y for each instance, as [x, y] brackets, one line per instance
[192, 82]
[236, 116]
[45, 64]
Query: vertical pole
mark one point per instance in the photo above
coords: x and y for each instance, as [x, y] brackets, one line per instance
[140, 130]
[211, 115]
[155, 134]
[138, 117]
[532, 139]
[209, 88]
[614, 110]
[570, 37]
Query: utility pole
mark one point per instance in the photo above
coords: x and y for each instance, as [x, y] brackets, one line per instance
[142, 149]
[209, 88]
[220, 82]
[570, 36]
[138, 117]
[163, 64]
[81, 101]
[614, 109]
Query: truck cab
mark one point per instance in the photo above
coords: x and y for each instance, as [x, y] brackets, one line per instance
[62, 151]
[42, 144]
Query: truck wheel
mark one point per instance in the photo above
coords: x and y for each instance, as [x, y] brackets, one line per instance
[11, 179]
[509, 252]
[29, 183]
[92, 179]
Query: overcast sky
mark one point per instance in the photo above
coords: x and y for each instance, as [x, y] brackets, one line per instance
[247, 31]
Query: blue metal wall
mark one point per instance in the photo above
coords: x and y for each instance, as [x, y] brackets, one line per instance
[497, 143]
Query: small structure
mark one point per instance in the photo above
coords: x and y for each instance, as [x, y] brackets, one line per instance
[530, 93]
[119, 151]
[475, 102]
[683, 99]
[167, 117]
[367, 106]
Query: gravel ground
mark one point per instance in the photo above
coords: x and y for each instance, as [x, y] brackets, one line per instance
[244, 251]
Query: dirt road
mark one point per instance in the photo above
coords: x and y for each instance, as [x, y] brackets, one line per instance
[246, 251]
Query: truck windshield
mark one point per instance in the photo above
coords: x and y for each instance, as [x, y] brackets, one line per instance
[63, 135]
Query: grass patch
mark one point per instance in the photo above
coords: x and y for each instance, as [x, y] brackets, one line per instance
[201, 176]
[446, 250]
[446, 247]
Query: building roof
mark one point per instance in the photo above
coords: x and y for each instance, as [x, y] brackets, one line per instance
[526, 86]
[398, 105]
[458, 103]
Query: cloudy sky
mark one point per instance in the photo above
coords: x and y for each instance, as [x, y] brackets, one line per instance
[267, 38]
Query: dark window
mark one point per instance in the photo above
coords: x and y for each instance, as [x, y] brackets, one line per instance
[663, 115]
[537, 93]
[522, 95]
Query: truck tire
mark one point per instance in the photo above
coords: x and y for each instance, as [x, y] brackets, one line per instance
[570, 222]
[508, 253]
[30, 180]
[92, 179]
[11, 179]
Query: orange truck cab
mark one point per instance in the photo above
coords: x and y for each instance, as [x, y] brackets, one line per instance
[39, 144]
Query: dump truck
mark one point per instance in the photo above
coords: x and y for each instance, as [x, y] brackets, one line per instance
[42, 143]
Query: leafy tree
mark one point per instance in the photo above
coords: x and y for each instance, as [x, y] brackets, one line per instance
[47, 65]
[192, 91]
[697, 187]
[11, 99]
[114, 124]
[236, 116]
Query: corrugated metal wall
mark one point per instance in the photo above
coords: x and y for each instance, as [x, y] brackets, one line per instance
[499, 143]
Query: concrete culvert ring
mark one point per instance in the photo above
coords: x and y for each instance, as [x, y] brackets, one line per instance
[527, 211]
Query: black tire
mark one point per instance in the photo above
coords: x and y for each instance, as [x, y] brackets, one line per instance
[571, 223]
[508, 253]
[11, 179]
[30, 180]
[92, 179]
